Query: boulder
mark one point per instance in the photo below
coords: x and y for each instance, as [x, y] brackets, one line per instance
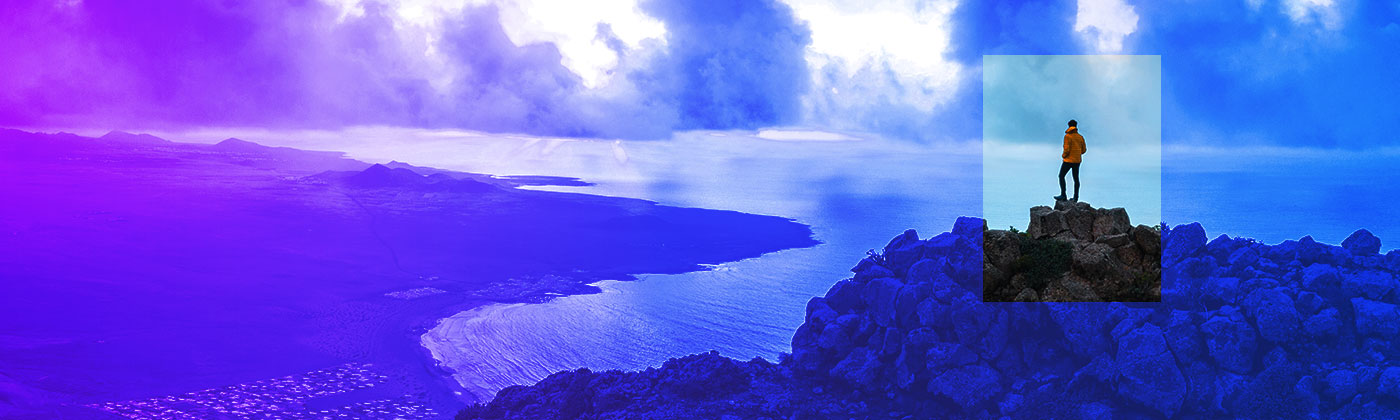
[844, 297]
[941, 356]
[1147, 372]
[903, 251]
[1114, 241]
[861, 368]
[1027, 295]
[1046, 222]
[1185, 241]
[1340, 385]
[1273, 313]
[1389, 382]
[1094, 262]
[1001, 248]
[1070, 289]
[1149, 240]
[1080, 220]
[879, 295]
[1362, 242]
[1376, 318]
[818, 312]
[1112, 221]
[1325, 323]
[1370, 284]
[1320, 277]
[968, 386]
[1230, 340]
[969, 227]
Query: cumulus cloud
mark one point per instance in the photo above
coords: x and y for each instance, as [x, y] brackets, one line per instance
[163, 63]
[1320, 12]
[880, 66]
[1105, 23]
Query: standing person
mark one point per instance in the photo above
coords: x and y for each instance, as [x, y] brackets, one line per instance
[1073, 154]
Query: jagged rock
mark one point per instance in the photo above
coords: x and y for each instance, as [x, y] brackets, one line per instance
[844, 297]
[1080, 219]
[1112, 221]
[1370, 284]
[1027, 295]
[1094, 261]
[1001, 248]
[1362, 242]
[1308, 303]
[1147, 372]
[1324, 324]
[941, 356]
[1186, 240]
[903, 251]
[1230, 340]
[879, 295]
[860, 368]
[818, 312]
[1320, 277]
[1389, 382]
[1273, 313]
[1149, 240]
[1340, 384]
[968, 386]
[1376, 318]
[1114, 241]
[1070, 289]
[1046, 222]
[969, 227]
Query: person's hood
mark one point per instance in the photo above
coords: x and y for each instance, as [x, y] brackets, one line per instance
[1072, 130]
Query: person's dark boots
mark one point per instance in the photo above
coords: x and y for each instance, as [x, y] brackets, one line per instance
[1060, 197]
[1074, 200]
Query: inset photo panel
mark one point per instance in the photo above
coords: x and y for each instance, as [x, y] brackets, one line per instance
[1072, 178]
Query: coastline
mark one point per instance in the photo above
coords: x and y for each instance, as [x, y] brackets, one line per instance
[210, 270]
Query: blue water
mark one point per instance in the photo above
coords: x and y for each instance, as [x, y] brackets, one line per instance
[856, 195]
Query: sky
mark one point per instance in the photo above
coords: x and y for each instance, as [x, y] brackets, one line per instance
[1294, 73]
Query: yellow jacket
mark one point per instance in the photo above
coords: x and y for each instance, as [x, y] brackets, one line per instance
[1074, 146]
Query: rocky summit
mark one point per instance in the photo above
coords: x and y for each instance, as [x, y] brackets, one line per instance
[1073, 252]
[1298, 330]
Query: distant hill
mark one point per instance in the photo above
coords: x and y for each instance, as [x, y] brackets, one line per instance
[125, 137]
[380, 176]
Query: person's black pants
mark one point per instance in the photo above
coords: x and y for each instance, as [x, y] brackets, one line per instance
[1066, 167]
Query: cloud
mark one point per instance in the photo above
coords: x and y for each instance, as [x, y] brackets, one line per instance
[173, 63]
[1263, 77]
[880, 66]
[1105, 23]
[1322, 12]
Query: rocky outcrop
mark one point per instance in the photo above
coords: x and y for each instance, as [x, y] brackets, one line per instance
[1073, 252]
[1298, 330]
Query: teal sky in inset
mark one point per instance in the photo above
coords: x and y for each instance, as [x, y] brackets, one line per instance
[1117, 99]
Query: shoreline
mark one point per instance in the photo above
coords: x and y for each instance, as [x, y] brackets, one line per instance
[191, 271]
